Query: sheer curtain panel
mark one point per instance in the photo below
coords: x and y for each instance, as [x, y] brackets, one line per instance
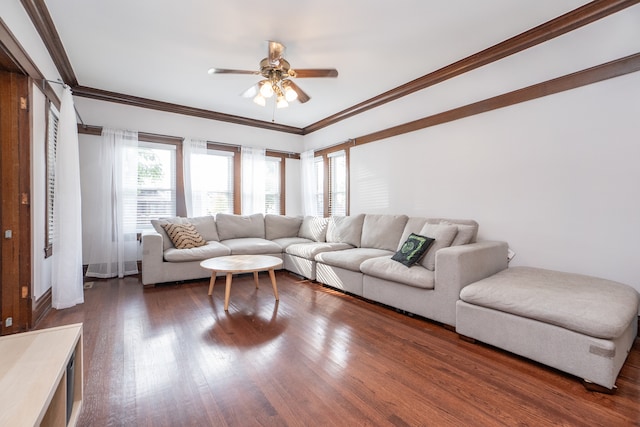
[195, 188]
[66, 283]
[114, 248]
[309, 184]
[253, 180]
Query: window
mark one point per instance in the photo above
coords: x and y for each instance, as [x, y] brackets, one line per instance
[273, 185]
[337, 183]
[156, 196]
[213, 182]
[52, 144]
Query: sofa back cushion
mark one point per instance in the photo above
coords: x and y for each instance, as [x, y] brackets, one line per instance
[157, 225]
[314, 228]
[382, 231]
[443, 235]
[239, 226]
[467, 229]
[345, 229]
[206, 227]
[279, 226]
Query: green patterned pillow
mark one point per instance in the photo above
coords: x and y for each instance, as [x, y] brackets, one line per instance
[184, 236]
[412, 249]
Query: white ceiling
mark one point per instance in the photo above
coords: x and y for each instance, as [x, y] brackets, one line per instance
[162, 49]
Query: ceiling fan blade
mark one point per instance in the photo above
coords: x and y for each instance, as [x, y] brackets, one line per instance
[228, 71]
[276, 52]
[314, 72]
[302, 96]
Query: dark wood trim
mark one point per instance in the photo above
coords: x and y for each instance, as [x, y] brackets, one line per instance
[563, 24]
[41, 307]
[135, 101]
[283, 185]
[595, 74]
[41, 19]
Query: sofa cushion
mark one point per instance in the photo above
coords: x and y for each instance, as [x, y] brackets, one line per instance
[285, 242]
[278, 226]
[157, 225]
[345, 229]
[443, 235]
[467, 229]
[388, 269]
[210, 250]
[310, 250]
[350, 259]
[414, 225]
[413, 249]
[588, 305]
[183, 236]
[252, 246]
[206, 226]
[382, 231]
[239, 226]
[314, 228]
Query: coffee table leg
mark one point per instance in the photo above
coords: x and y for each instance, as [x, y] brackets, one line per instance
[211, 282]
[227, 291]
[272, 274]
[255, 278]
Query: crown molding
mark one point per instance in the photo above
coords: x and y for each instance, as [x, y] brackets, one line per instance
[563, 24]
[41, 19]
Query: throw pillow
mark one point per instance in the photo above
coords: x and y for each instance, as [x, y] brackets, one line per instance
[184, 236]
[412, 249]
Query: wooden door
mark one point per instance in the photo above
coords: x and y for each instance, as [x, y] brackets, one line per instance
[15, 215]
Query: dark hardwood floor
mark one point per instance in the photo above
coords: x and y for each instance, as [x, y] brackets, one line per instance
[171, 356]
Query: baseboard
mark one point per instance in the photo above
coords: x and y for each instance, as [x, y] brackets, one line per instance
[40, 307]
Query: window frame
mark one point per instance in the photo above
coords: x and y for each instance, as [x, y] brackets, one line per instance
[327, 176]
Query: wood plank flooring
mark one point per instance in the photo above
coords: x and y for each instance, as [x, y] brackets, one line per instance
[171, 356]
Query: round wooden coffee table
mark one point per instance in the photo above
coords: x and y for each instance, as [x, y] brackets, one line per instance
[236, 264]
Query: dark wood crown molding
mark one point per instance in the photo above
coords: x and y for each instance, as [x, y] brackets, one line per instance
[570, 21]
[103, 95]
[619, 67]
[39, 14]
[563, 24]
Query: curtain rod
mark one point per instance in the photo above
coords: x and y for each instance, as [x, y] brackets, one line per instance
[64, 85]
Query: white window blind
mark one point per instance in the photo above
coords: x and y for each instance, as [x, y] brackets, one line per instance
[337, 183]
[213, 178]
[156, 183]
[52, 144]
[272, 185]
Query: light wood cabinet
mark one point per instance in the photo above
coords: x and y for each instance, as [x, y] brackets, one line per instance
[40, 374]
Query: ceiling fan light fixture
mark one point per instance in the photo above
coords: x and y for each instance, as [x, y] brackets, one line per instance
[289, 93]
[282, 102]
[266, 89]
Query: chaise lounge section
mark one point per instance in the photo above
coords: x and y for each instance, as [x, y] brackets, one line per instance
[579, 324]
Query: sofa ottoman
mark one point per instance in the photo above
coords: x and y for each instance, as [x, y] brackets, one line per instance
[581, 325]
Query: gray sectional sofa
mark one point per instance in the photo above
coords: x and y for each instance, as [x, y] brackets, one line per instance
[351, 253]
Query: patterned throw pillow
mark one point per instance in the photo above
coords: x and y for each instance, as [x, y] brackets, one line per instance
[412, 249]
[184, 236]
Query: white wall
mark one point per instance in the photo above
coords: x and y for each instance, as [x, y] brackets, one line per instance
[557, 178]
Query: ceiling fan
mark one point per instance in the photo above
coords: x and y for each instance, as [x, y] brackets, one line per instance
[277, 73]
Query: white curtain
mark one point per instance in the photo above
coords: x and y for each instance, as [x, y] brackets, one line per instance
[195, 187]
[309, 184]
[66, 283]
[114, 248]
[253, 182]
